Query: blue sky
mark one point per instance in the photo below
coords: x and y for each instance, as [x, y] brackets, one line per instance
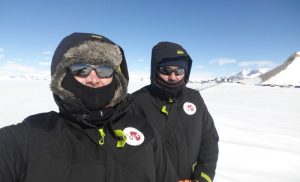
[222, 37]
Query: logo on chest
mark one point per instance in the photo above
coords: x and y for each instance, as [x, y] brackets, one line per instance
[189, 108]
[134, 136]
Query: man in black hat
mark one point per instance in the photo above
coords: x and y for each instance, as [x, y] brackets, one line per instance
[179, 114]
[92, 138]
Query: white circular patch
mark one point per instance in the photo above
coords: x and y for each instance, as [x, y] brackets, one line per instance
[134, 136]
[189, 108]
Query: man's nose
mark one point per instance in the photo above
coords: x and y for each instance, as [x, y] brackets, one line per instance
[93, 77]
[172, 76]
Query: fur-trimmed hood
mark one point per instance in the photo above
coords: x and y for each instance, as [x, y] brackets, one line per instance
[91, 49]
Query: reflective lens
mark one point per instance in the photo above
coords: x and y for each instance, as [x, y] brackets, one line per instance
[165, 70]
[103, 71]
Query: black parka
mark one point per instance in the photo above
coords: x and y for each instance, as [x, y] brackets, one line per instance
[50, 148]
[76, 144]
[190, 140]
[187, 129]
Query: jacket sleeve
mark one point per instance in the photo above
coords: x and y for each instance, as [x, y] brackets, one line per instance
[12, 143]
[165, 171]
[204, 169]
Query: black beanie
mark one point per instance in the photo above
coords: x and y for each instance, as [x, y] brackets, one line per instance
[179, 62]
[164, 50]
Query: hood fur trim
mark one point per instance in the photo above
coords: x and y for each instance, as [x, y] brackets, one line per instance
[94, 53]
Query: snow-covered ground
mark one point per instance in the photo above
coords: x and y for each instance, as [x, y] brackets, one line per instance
[259, 130]
[259, 127]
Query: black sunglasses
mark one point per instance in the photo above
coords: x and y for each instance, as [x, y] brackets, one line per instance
[80, 69]
[165, 70]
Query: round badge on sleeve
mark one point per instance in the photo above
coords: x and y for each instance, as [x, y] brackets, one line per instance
[134, 136]
[189, 108]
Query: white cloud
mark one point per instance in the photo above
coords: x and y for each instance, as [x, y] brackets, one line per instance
[1, 53]
[256, 63]
[196, 76]
[199, 67]
[18, 59]
[223, 61]
[141, 60]
[47, 58]
[140, 73]
[14, 68]
[47, 53]
[46, 63]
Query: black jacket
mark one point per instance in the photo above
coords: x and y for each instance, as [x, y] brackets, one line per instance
[190, 139]
[50, 148]
[186, 127]
[78, 144]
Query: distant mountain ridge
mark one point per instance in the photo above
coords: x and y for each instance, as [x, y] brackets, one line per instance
[26, 77]
[248, 73]
[287, 73]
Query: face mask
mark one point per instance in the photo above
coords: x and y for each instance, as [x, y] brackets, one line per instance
[92, 98]
[170, 89]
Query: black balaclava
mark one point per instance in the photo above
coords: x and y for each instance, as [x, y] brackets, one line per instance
[172, 89]
[93, 99]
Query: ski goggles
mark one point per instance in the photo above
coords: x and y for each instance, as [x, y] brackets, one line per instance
[80, 69]
[166, 70]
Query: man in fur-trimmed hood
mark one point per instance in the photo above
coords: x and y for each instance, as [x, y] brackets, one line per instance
[89, 49]
[92, 137]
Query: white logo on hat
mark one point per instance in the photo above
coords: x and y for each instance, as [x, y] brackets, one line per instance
[134, 136]
[189, 108]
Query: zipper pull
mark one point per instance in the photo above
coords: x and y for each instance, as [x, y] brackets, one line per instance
[164, 110]
[102, 135]
[122, 141]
